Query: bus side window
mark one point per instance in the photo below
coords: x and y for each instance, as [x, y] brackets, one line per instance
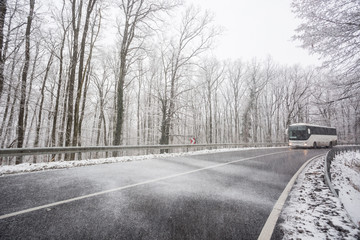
[329, 131]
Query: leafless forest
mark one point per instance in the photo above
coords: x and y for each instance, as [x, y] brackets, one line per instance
[102, 72]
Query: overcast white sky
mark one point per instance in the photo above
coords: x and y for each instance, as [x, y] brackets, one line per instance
[257, 28]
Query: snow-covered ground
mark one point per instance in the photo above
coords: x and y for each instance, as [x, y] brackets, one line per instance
[313, 212]
[345, 175]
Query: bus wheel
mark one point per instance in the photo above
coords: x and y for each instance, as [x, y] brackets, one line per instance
[314, 145]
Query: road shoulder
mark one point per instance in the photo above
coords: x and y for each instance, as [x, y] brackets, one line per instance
[312, 211]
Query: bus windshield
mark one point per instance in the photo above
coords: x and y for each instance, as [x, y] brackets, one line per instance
[298, 133]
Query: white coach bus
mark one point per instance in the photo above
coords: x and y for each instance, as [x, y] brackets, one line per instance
[309, 135]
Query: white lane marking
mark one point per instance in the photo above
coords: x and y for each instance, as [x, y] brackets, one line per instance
[130, 186]
[269, 226]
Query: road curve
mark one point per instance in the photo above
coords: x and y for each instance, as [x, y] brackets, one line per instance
[212, 196]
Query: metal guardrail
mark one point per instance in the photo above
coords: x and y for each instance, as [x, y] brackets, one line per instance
[328, 159]
[11, 152]
[330, 156]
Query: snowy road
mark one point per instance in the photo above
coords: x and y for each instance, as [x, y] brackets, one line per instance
[212, 196]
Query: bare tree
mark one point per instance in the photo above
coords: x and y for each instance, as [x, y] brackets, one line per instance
[13, 87]
[330, 28]
[103, 91]
[82, 69]
[140, 88]
[212, 77]
[236, 73]
[296, 82]
[256, 84]
[60, 57]
[270, 99]
[76, 12]
[20, 128]
[138, 16]
[195, 36]
[42, 97]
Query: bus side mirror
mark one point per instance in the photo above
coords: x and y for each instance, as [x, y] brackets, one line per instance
[309, 132]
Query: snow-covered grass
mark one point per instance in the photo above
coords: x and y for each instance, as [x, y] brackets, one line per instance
[313, 212]
[32, 167]
[345, 176]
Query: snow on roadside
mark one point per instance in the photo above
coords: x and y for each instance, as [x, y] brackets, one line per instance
[345, 176]
[32, 167]
[312, 211]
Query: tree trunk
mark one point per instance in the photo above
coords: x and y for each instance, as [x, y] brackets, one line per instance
[73, 64]
[138, 128]
[357, 124]
[81, 73]
[120, 107]
[20, 128]
[82, 114]
[9, 128]
[3, 5]
[120, 88]
[64, 114]
[6, 111]
[210, 113]
[164, 139]
[30, 83]
[58, 94]
[38, 126]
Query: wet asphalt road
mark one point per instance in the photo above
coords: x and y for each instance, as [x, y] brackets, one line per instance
[213, 196]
